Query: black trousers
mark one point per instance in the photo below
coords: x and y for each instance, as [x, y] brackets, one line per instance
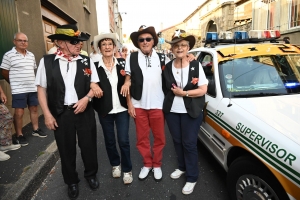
[84, 126]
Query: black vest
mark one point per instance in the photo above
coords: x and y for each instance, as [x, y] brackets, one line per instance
[136, 75]
[56, 86]
[193, 105]
[104, 105]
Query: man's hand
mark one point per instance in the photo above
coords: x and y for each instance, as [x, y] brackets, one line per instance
[98, 93]
[190, 57]
[131, 111]
[3, 97]
[50, 122]
[81, 105]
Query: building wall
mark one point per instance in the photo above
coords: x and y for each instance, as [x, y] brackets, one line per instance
[222, 16]
[276, 15]
[30, 21]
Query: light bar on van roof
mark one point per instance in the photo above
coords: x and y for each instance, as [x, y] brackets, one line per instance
[243, 36]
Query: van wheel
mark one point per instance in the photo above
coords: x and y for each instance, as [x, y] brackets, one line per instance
[247, 179]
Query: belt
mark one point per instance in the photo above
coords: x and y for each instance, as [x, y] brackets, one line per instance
[69, 107]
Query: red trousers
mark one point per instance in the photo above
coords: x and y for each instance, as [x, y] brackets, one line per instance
[144, 121]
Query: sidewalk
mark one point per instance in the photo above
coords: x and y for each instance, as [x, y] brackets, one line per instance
[23, 173]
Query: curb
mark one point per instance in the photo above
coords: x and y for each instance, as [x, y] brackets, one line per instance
[28, 183]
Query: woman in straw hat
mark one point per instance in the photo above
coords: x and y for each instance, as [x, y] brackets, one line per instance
[112, 106]
[185, 87]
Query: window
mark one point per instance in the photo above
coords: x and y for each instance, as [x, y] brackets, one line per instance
[295, 13]
[206, 61]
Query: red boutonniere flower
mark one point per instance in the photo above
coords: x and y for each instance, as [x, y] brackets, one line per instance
[122, 71]
[163, 67]
[194, 81]
[87, 71]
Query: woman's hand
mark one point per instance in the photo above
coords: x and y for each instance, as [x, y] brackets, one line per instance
[125, 87]
[98, 93]
[178, 91]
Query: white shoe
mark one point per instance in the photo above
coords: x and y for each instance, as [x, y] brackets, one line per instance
[188, 188]
[4, 156]
[157, 173]
[127, 178]
[10, 147]
[144, 173]
[116, 171]
[176, 174]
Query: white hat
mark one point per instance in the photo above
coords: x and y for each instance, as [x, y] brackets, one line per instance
[113, 36]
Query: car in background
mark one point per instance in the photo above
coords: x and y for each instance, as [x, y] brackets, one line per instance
[252, 117]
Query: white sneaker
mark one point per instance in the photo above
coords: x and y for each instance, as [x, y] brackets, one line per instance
[127, 178]
[4, 156]
[157, 173]
[144, 173]
[188, 188]
[176, 174]
[10, 147]
[116, 171]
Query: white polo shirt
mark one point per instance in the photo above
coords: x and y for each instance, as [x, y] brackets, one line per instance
[21, 71]
[152, 94]
[68, 77]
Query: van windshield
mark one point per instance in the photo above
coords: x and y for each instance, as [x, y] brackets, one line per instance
[260, 76]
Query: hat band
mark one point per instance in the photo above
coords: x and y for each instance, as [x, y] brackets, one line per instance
[68, 32]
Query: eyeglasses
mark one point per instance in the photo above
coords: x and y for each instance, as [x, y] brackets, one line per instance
[107, 44]
[74, 42]
[22, 41]
[176, 46]
[143, 39]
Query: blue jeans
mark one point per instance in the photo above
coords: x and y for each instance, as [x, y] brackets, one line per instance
[184, 130]
[122, 124]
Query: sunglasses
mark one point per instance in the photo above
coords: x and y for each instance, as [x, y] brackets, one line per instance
[143, 39]
[74, 42]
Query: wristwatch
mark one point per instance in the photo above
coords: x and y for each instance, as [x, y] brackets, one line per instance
[186, 94]
[90, 98]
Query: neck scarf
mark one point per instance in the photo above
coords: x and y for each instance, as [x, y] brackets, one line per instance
[60, 53]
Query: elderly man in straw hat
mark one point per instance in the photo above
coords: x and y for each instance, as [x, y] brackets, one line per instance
[64, 93]
[144, 69]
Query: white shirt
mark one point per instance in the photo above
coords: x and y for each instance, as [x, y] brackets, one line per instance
[152, 94]
[21, 71]
[181, 79]
[113, 79]
[95, 57]
[68, 77]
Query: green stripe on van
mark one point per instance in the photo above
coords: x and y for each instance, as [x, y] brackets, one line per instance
[247, 142]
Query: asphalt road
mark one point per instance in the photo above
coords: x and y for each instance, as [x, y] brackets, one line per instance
[210, 186]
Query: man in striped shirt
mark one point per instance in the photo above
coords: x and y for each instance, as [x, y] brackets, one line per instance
[18, 67]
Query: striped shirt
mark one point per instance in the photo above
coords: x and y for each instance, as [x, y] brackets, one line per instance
[21, 71]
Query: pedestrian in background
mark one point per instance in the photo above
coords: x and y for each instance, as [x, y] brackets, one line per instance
[63, 81]
[6, 121]
[286, 40]
[112, 106]
[144, 69]
[185, 87]
[95, 56]
[54, 48]
[82, 52]
[18, 67]
[124, 52]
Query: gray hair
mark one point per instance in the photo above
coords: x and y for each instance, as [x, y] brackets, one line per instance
[15, 35]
